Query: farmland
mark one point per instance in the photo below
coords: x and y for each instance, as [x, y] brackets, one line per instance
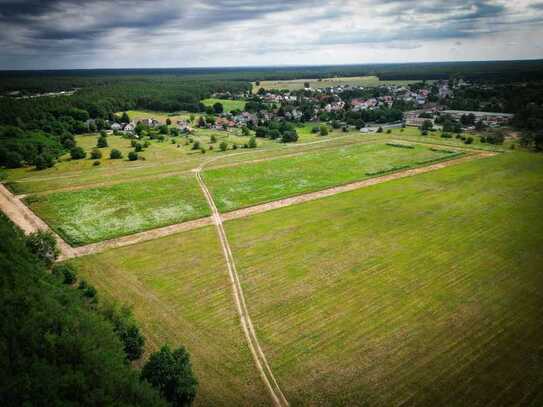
[421, 291]
[297, 84]
[96, 214]
[236, 187]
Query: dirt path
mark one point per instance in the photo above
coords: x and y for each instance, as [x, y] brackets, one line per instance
[27, 220]
[239, 299]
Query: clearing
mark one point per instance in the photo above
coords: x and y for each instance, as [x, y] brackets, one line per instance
[228, 104]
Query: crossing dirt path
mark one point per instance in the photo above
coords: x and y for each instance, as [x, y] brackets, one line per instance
[247, 325]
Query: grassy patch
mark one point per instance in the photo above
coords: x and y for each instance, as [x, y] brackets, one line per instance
[419, 291]
[266, 181]
[227, 104]
[92, 215]
[180, 293]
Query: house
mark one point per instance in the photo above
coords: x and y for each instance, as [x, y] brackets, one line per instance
[116, 126]
[129, 128]
[150, 122]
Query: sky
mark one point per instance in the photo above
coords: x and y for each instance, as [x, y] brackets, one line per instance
[63, 34]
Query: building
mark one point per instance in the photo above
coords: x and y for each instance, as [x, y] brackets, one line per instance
[488, 118]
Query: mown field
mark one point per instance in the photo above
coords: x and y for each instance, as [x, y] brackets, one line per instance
[235, 187]
[420, 291]
[297, 84]
[96, 214]
[227, 104]
[180, 293]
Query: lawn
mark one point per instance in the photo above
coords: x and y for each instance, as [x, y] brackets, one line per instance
[179, 289]
[236, 187]
[227, 104]
[419, 291]
[297, 84]
[97, 214]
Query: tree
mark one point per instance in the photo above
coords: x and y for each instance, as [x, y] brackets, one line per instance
[139, 147]
[323, 130]
[168, 122]
[43, 245]
[44, 161]
[261, 131]
[245, 132]
[218, 108]
[125, 118]
[65, 272]
[102, 142]
[196, 145]
[96, 154]
[213, 139]
[252, 142]
[132, 156]
[289, 136]
[77, 153]
[115, 154]
[201, 122]
[171, 374]
[307, 85]
[427, 125]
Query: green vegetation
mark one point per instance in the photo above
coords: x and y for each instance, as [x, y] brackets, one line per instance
[228, 105]
[180, 293]
[56, 350]
[419, 291]
[236, 187]
[92, 215]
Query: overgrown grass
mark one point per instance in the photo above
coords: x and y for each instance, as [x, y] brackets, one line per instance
[418, 291]
[92, 215]
[267, 181]
[227, 104]
[180, 293]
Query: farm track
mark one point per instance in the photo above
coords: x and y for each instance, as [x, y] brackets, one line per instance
[252, 340]
[29, 222]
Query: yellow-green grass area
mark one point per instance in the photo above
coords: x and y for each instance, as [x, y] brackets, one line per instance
[420, 291]
[179, 289]
[227, 104]
[297, 84]
[236, 187]
[136, 115]
[161, 159]
[96, 214]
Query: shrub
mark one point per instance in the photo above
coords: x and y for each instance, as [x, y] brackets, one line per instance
[96, 154]
[96, 163]
[234, 146]
[171, 374]
[146, 144]
[468, 140]
[43, 245]
[203, 150]
[133, 143]
[380, 129]
[138, 147]
[315, 130]
[115, 154]
[102, 142]
[44, 161]
[389, 131]
[213, 139]
[77, 153]
[65, 272]
[223, 146]
[289, 136]
[132, 156]
[323, 130]
[252, 142]
[196, 145]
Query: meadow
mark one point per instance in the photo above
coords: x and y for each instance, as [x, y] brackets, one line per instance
[95, 214]
[228, 104]
[236, 187]
[419, 291]
[297, 84]
[179, 290]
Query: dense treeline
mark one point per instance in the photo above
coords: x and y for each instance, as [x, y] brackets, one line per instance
[55, 350]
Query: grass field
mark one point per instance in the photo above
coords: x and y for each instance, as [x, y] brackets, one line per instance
[227, 104]
[236, 187]
[180, 293]
[297, 84]
[96, 214]
[419, 291]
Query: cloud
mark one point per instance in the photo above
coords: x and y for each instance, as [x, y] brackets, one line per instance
[235, 32]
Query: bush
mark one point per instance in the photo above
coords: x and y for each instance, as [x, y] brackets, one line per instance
[252, 142]
[468, 140]
[96, 163]
[289, 136]
[102, 142]
[196, 145]
[223, 146]
[96, 154]
[323, 130]
[146, 144]
[65, 272]
[138, 147]
[213, 139]
[44, 161]
[77, 153]
[380, 129]
[133, 143]
[171, 374]
[234, 146]
[132, 156]
[43, 245]
[115, 154]
[126, 328]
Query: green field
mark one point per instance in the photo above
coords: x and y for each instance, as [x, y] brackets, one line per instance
[297, 84]
[419, 291]
[227, 104]
[236, 187]
[180, 293]
[96, 214]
